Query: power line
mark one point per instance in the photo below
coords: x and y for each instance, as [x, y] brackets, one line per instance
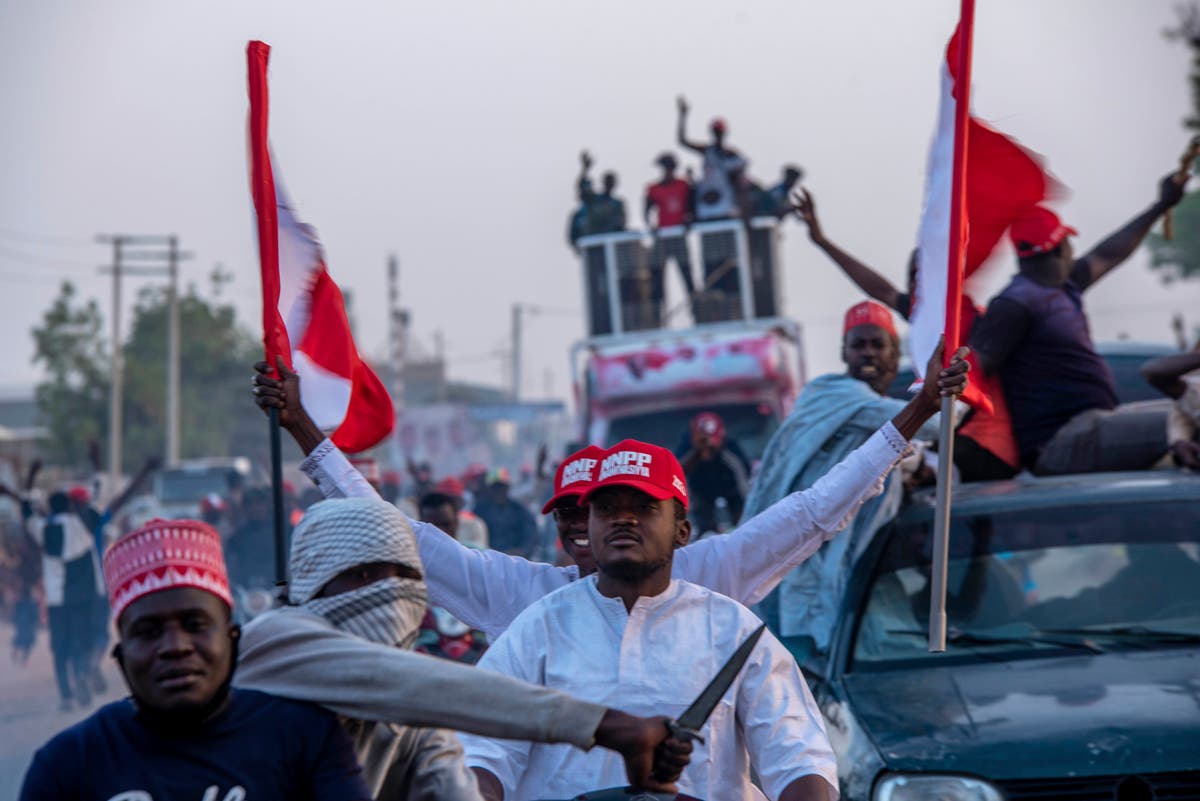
[35, 259]
[50, 240]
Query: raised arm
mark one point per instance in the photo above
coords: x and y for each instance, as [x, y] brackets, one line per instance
[484, 589]
[1164, 372]
[1118, 246]
[585, 166]
[869, 281]
[681, 128]
[750, 561]
[148, 467]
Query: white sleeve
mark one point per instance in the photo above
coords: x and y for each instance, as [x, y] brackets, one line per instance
[484, 589]
[518, 657]
[1179, 426]
[781, 722]
[333, 474]
[750, 561]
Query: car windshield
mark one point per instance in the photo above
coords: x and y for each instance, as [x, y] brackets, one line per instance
[188, 486]
[1038, 581]
[750, 425]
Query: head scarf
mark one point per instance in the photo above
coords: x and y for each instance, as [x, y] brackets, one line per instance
[339, 534]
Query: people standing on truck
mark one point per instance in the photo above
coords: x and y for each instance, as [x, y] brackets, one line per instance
[833, 416]
[669, 202]
[511, 527]
[720, 192]
[985, 449]
[774, 201]
[716, 470]
[1035, 335]
[488, 589]
[1178, 377]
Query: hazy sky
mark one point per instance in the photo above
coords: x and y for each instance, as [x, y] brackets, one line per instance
[449, 133]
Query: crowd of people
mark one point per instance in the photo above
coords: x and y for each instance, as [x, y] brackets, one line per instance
[325, 692]
[588, 641]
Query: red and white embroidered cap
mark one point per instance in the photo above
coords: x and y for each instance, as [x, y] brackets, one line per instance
[574, 476]
[163, 555]
[642, 466]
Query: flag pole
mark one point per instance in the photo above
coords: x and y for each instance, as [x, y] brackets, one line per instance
[958, 239]
[277, 500]
[275, 341]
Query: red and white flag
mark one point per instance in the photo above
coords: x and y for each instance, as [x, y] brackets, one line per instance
[977, 182]
[304, 316]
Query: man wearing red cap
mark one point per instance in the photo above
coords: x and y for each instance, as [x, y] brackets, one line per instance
[356, 596]
[184, 732]
[984, 449]
[715, 469]
[835, 414]
[632, 632]
[487, 589]
[1035, 336]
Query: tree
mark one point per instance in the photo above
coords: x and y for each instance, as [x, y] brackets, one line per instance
[74, 399]
[1179, 257]
[218, 417]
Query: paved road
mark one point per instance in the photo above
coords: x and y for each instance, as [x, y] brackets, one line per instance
[29, 713]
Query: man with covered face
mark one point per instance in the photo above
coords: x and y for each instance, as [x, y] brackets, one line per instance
[487, 589]
[355, 599]
[632, 632]
[184, 733]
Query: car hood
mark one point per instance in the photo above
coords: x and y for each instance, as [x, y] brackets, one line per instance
[1077, 715]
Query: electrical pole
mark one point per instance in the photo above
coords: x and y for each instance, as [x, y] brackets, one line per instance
[116, 379]
[398, 324]
[172, 350]
[119, 268]
[516, 352]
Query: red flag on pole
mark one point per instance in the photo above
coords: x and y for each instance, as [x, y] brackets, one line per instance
[304, 315]
[978, 181]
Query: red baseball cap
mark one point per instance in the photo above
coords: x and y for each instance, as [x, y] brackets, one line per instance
[574, 475]
[1038, 230]
[450, 486]
[642, 466]
[869, 313]
[718, 124]
[79, 494]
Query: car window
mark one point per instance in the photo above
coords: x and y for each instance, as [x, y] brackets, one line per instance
[1037, 581]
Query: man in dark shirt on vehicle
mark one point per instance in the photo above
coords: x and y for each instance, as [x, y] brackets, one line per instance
[715, 468]
[183, 732]
[1035, 335]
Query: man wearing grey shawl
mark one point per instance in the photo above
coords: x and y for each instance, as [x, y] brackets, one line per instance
[355, 599]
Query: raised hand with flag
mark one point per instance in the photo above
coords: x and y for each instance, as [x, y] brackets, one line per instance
[304, 316]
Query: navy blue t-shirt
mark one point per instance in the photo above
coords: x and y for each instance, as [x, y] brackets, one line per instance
[1049, 367]
[261, 748]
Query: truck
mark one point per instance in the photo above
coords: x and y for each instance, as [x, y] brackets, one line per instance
[634, 377]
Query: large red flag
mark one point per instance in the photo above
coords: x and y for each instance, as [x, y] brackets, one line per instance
[998, 179]
[304, 317]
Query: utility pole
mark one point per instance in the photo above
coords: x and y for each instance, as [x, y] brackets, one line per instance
[516, 352]
[398, 321]
[119, 268]
[172, 349]
[116, 379]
